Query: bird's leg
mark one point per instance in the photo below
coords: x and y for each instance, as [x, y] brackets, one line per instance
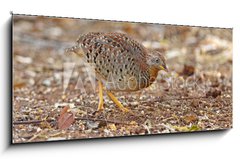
[116, 101]
[100, 93]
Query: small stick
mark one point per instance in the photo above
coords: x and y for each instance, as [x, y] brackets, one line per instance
[76, 118]
[36, 135]
[103, 120]
[32, 121]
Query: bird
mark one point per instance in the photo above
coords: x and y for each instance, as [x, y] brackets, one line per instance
[121, 63]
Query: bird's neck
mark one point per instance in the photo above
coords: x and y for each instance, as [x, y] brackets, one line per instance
[153, 71]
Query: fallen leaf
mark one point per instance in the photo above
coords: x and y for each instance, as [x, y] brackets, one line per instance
[66, 118]
[181, 128]
[64, 110]
[194, 128]
[186, 128]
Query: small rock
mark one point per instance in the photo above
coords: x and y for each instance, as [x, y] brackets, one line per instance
[31, 81]
[46, 82]
[31, 73]
[106, 131]
[78, 100]
[135, 103]
[22, 59]
[92, 124]
[165, 131]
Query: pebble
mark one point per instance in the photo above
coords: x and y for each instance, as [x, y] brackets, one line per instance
[92, 124]
[22, 59]
[78, 100]
[46, 82]
[135, 103]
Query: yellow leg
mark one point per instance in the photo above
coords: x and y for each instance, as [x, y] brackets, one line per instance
[100, 104]
[116, 101]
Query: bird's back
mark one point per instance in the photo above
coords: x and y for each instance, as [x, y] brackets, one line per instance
[118, 60]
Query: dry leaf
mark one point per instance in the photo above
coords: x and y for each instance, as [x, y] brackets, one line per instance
[66, 118]
[64, 110]
[187, 128]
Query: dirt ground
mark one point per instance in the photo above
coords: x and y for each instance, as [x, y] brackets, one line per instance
[195, 95]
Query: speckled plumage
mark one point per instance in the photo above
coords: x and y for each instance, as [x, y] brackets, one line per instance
[119, 61]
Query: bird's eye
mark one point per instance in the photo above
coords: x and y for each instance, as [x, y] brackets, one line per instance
[157, 60]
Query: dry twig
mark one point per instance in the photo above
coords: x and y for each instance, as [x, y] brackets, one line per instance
[76, 118]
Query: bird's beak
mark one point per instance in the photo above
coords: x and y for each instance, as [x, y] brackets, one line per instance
[164, 68]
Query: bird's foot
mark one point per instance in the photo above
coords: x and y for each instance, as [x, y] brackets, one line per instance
[97, 112]
[125, 110]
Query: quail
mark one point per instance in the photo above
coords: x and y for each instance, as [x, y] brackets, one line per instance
[120, 63]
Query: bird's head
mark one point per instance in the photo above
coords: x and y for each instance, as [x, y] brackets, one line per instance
[156, 61]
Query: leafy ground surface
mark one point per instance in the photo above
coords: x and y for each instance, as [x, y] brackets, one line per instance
[196, 95]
